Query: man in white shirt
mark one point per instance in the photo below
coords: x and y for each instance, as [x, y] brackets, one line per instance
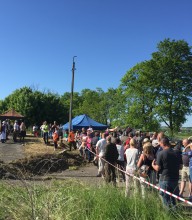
[15, 131]
[100, 151]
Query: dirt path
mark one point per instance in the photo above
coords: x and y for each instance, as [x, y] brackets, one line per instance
[86, 174]
[11, 151]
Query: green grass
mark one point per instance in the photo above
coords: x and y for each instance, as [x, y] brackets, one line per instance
[73, 168]
[183, 135]
[73, 200]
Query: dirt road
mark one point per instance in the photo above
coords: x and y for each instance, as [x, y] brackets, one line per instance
[11, 151]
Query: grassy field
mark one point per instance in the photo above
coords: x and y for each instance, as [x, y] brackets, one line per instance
[71, 200]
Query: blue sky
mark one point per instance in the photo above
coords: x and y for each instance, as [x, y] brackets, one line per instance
[38, 39]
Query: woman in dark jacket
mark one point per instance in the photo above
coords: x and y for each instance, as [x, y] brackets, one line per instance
[111, 156]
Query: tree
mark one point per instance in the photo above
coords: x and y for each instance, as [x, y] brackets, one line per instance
[159, 89]
[36, 106]
[172, 64]
[65, 99]
[92, 104]
[21, 101]
[114, 108]
[139, 98]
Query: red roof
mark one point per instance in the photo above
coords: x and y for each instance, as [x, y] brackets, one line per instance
[12, 114]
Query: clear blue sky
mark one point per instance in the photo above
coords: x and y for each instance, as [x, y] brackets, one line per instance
[38, 39]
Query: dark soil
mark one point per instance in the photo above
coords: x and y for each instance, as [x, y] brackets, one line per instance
[40, 165]
[15, 164]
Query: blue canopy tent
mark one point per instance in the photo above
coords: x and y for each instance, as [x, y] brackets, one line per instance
[84, 121]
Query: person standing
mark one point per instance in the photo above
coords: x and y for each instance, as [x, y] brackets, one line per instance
[54, 127]
[111, 155]
[55, 138]
[88, 148]
[45, 130]
[71, 140]
[169, 162]
[94, 141]
[158, 147]
[77, 139]
[3, 132]
[100, 151]
[132, 155]
[15, 131]
[65, 135]
[120, 160]
[35, 132]
[189, 154]
[185, 170]
[8, 130]
[22, 131]
[146, 159]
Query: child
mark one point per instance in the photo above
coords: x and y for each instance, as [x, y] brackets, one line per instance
[55, 139]
[82, 149]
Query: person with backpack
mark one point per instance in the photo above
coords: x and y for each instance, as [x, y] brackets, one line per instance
[144, 164]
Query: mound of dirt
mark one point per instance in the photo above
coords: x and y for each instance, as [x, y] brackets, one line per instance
[39, 165]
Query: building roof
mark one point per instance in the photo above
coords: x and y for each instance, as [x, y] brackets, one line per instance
[11, 114]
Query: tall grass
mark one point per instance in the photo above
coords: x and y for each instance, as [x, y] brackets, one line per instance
[71, 200]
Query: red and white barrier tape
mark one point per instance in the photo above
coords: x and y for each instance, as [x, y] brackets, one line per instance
[144, 181]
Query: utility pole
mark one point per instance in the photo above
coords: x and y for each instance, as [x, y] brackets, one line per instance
[71, 97]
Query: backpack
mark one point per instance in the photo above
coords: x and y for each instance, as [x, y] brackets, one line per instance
[144, 171]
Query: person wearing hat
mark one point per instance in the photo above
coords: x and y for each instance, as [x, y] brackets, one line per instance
[3, 132]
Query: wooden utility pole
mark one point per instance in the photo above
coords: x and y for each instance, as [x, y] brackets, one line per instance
[71, 97]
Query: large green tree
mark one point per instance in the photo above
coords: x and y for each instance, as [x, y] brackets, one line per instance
[159, 89]
[172, 64]
[139, 98]
[36, 106]
[114, 108]
[21, 100]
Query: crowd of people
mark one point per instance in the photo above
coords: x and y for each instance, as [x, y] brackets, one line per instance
[149, 156]
[16, 128]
